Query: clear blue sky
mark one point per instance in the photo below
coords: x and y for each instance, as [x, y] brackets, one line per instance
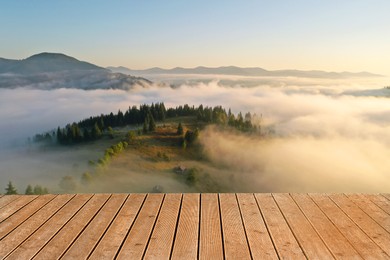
[333, 35]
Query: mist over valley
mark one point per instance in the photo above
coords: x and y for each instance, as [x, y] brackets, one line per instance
[316, 134]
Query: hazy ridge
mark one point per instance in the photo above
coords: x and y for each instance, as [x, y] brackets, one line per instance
[54, 70]
[238, 71]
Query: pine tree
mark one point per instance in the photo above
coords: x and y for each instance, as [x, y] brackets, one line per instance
[38, 190]
[29, 190]
[152, 124]
[10, 190]
[180, 130]
[96, 132]
[86, 135]
[60, 138]
[145, 127]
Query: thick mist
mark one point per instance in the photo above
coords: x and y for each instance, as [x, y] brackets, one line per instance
[319, 136]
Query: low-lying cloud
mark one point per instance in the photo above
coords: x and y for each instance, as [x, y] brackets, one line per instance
[318, 138]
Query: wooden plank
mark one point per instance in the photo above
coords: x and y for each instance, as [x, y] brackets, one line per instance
[386, 195]
[336, 242]
[161, 241]
[186, 242]
[380, 201]
[22, 232]
[210, 244]
[116, 233]
[285, 243]
[43, 235]
[64, 238]
[367, 224]
[88, 239]
[234, 237]
[310, 242]
[6, 199]
[16, 219]
[375, 212]
[135, 244]
[359, 240]
[13, 207]
[259, 239]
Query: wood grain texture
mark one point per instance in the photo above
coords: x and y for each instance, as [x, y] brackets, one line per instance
[38, 240]
[161, 240]
[88, 239]
[210, 244]
[27, 228]
[234, 237]
[23, 214]
[5, 200]
[386, 195]
[378, 234]
[359, 240]
[112, 240]
[336, 242]
[371, 209]
[285, 243]
[306, 235]
[11, 208]
[380, 201]
[195, 226]
[186, 241]
[259, 239]
[65, 237]
[138, 237]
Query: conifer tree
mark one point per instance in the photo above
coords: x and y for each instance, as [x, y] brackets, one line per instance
[180, 130]
[152, 124]
[10, 190]
[145, 127]
[96, 132]
[29, 190]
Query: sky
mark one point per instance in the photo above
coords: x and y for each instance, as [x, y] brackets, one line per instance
[333, 35]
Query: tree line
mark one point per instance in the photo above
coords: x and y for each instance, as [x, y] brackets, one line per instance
[30, 190]
[93, 128]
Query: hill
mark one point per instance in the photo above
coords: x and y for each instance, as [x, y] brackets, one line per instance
[44, 63]
[55, 70]
[251, 72]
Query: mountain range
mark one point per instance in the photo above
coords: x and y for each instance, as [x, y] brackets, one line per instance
[249, 72]
[55, 70]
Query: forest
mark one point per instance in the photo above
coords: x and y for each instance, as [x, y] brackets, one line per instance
[146, 115]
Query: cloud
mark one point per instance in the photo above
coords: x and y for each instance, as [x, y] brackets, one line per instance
[321, 138]
[300, 164]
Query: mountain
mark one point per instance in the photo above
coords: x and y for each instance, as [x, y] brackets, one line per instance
[250, 72]
[56, 70]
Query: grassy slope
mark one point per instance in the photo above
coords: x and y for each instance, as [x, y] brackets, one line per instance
[142, 165]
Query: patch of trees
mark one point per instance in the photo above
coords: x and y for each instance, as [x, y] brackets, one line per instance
[44, 138]
[93, 128]
[190, 137]
[111, 152]
[218, 115]
[96, 127]
[37, 190]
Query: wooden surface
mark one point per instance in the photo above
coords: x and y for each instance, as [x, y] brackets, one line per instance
[195, 226]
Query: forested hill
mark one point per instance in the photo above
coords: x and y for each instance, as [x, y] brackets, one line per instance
[45, 63]
[92, 128]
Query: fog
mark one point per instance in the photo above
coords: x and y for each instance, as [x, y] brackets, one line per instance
[318, 135]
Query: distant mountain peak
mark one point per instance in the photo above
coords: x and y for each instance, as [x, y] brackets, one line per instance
[46, 62]
[50, 55]
[56, 70]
